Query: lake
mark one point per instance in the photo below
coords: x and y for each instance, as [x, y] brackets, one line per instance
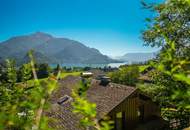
[68, 65]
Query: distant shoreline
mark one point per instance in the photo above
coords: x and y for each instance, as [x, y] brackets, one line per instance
[70, 65]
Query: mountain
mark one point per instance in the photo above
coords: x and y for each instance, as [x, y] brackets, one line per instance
[137, 57]
[50, 50]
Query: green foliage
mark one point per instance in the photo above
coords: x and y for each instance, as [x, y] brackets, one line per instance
[126, 75]
[106, 125]
[155, 91]
[22, 104]
[11, 72]
[43, 70]
[65, 74]
[2, 74]
[57, 69]
[84, 86]
[143, 68]
[171, 113]
[175, 68]
[24, 73]
[170, 29]
[172, 20]
[87, 109]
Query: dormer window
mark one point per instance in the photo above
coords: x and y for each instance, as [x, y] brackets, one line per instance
[63, 100]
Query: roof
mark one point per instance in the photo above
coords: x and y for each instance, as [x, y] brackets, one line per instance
[106, 98]
[87, 73]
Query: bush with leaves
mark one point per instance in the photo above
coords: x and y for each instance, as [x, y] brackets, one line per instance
[126, 75]
[156, 92]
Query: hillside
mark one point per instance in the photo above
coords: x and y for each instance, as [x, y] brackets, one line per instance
[51, 50]
[137, 57]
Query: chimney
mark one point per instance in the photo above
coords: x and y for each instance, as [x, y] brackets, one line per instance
[104, 81]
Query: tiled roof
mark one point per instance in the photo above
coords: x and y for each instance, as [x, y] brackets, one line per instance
[105, 97]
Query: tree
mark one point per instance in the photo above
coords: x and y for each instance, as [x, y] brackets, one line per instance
[126, 75]
[172, 21]
[11, 75]
[170, 29]
[24, 73]
[57, 69]
[2, 74]
[43, 70]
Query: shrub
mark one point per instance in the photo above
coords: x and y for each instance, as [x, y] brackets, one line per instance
[126, 75]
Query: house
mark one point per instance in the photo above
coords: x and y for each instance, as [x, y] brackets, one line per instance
[125, 105]
[86, 74]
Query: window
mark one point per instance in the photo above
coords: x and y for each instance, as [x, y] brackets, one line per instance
[119, 115]
[120, 121]
[64, 100]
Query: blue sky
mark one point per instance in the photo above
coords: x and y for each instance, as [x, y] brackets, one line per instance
[112, 26]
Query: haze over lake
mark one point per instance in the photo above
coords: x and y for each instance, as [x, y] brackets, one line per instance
[68, 65]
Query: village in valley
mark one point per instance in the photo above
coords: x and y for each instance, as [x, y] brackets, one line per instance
[107, 79]
[126, 105]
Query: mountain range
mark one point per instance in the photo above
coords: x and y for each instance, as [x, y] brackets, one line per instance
[137, 57]
[50, 50]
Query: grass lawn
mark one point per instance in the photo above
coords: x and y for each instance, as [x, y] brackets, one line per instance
[65, 74]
